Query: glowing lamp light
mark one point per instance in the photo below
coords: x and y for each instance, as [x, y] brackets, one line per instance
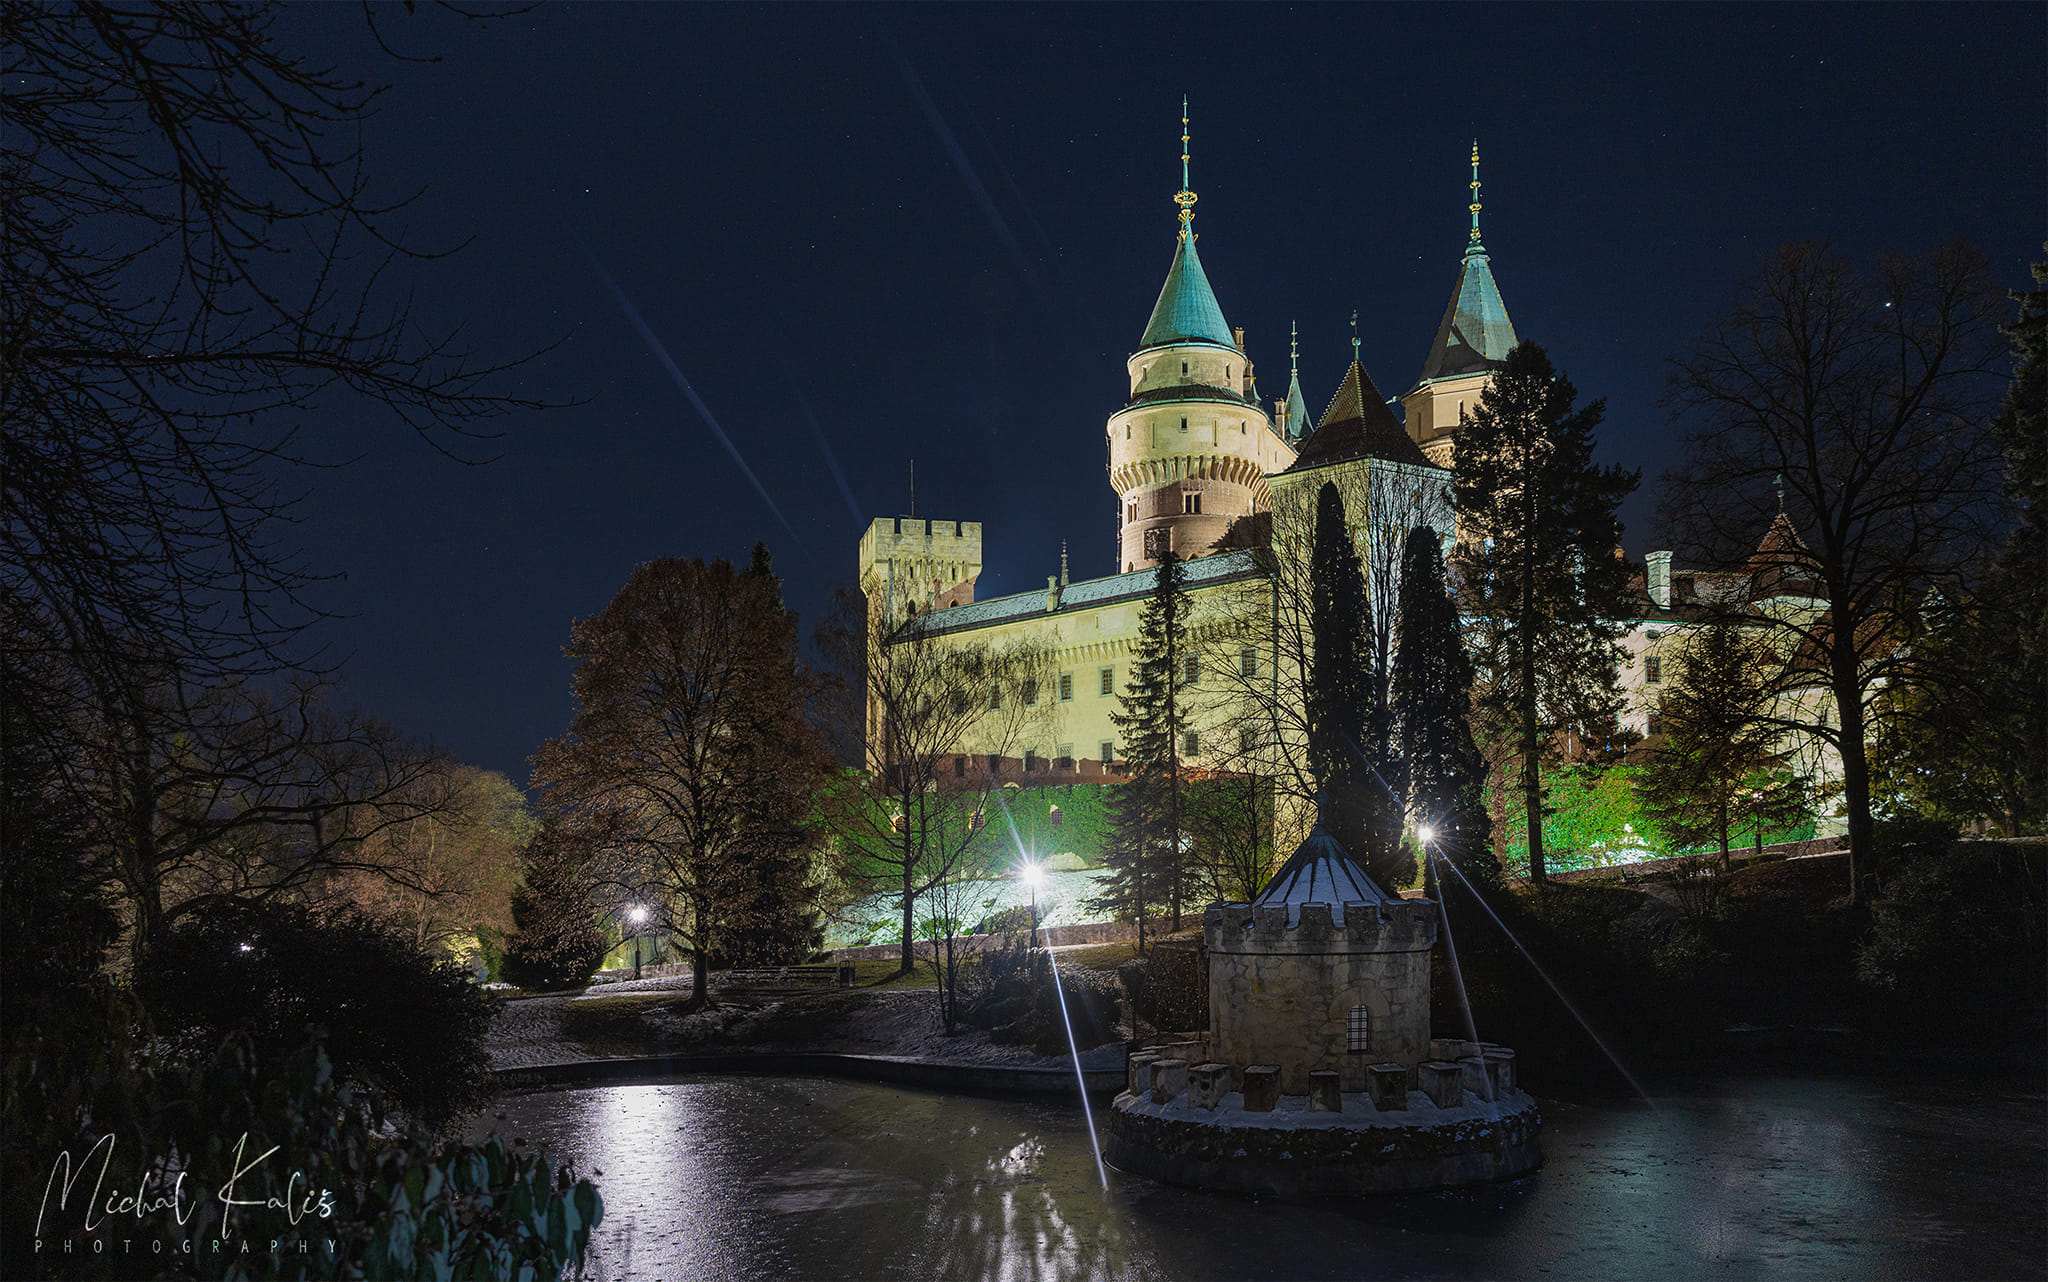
[1033, 875]
[247, 948]
[1426, 833]
[638, 914]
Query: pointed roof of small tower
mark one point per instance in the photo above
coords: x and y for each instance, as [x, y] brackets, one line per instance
[1320, 872]
[1187, 307]
[1357, 424]
[1297, 404]
[1476, 334]
[1782, 564]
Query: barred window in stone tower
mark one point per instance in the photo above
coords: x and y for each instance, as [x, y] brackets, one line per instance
[1358, 1031]
[1108, 682]
[1248, 662]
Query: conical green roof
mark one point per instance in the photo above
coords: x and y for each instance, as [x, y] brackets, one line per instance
[1187, 306]
[1476, 334]
[1297, 410]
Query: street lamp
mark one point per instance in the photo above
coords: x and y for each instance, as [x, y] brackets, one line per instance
[1033, 874]
[637, 914]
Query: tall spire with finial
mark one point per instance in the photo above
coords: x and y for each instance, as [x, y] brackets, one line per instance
[1185, 197]
[1475, 194]
[1354, 336]
[1297, 404]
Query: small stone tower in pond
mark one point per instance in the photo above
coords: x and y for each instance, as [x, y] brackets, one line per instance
[1473, 340]
[1190, 452]
[1324, 970]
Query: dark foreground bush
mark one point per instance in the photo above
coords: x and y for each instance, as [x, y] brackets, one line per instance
[1968, 915]
[397, 1020]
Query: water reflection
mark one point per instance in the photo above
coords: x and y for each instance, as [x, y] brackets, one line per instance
[1758, 1177]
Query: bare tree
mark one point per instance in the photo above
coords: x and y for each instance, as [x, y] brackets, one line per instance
[942, 713]
[1870, 397]
[691, 767]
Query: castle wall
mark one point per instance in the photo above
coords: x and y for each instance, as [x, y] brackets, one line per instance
[1281, 995]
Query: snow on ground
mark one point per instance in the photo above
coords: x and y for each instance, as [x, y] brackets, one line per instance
[528, 1031]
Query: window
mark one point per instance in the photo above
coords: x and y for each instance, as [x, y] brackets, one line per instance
[1183, 369]
[1031, 692]
[1191, 503]
[1226, 373]
[1656, 723]
[995, 696]
[1247, 662]
[1063, 757]
[1190, 670]
[1108, 682]
[1247, 738]
[1183, 425]
[959, 767]
[1653, 669]
[1191, 744]
[1030, 760]
[1130, 512]
[995, 763]
[1127, 431]
[1066, 687]
[1108, 751]
[1358, 1031]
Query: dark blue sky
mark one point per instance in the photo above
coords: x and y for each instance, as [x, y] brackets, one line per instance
[945, 250]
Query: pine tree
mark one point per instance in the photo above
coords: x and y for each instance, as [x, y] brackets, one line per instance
[1144, 853]
[1347, 714]
[1539, 562]
[1720, 761]
[1432, 708]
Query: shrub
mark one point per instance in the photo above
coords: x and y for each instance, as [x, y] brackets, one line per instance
[397, 1019]
[1958, 916]
[555, 942]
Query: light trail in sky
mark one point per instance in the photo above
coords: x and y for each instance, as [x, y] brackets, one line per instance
[831, 459]
[951, 142]
[668, 363]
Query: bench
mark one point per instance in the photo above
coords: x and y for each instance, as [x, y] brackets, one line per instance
[791, 977]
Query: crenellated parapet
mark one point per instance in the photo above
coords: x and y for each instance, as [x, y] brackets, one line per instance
[1396, 926]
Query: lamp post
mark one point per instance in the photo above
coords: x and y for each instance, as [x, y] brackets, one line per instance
[637, 914]
[1033, 874]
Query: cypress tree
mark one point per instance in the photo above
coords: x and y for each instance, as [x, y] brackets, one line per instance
[1432, 708]
[1143, 853]
[1539, 564]
[1347, 722]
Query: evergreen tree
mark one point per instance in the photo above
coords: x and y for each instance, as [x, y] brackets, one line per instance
[1540, 568]
[1348, 729]
[1144, 852]
[1432, 709]
[1720, 761]
[554, 938]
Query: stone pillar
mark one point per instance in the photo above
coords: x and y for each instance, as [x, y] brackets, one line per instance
[1141, 1072]
[1324, 1093]
[1443, 1083]
[1389, 1086]
[1261, 1088]
[1207, 1084]
[1169, 1079]
[1500, 1065]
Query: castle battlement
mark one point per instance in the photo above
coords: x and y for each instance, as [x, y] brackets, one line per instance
[1400, 926]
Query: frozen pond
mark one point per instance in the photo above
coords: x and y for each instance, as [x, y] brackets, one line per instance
[1757, 1176]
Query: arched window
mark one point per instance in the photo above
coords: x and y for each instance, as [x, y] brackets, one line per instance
[1358, 1031]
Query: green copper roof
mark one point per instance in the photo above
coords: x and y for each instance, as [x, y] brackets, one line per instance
[1297, 411]
[1187, 306]
[1476, 333]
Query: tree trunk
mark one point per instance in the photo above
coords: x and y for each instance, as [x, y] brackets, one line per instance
[1855, 777]
[700, 972]
[1532, 782]
[909, 962]
[1727, 861]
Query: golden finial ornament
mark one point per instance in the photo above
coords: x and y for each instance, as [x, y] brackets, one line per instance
[1185, 198]
[1294, 349]
[1475, 191]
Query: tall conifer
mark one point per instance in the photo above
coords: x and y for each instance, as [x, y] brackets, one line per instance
[1144, 852]
[1432, 708]
[1544, 584]
[1347, 721]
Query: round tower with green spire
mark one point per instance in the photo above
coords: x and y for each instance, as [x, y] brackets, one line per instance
[1190, 452]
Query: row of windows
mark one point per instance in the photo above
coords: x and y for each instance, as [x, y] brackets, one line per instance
[1191, 674]
[1248, 740]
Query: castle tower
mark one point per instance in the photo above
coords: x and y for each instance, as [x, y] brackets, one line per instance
[1189, 454]
[1473, 340]
[909, 565]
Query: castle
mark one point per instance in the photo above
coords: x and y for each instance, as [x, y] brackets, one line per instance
[1203, 467]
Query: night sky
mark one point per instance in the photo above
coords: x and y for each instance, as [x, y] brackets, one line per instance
[935, 234]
